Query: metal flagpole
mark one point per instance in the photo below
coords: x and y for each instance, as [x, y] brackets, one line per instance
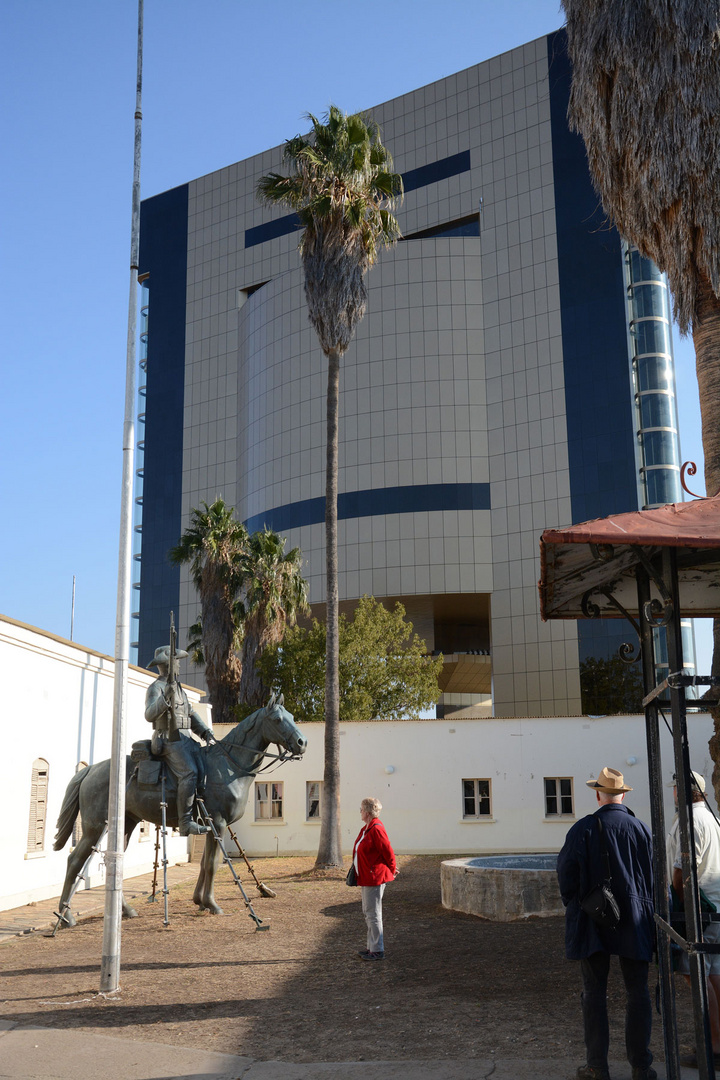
[110, 969]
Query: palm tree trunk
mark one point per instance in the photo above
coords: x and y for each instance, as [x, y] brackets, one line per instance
[330, 847]
[706, 338]
[252, 689]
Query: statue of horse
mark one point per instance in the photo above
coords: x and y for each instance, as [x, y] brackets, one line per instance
[230, 766]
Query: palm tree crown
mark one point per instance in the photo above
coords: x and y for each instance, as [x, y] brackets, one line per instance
[274, 594]
[213, 545]
[646, 98]
[344, 193]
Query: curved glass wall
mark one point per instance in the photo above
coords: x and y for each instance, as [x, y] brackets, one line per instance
[139, 467]
[653, 376]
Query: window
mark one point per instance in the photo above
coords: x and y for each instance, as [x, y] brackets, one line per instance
[476, 798]
[144, 830]
[268, 801]
[313, 800]
[38, 806]
[558, 796]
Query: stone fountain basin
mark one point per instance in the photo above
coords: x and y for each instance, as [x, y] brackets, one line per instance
[502, 887]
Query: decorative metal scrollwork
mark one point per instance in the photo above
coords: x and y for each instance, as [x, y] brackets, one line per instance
[658, 614]
[589, 609]
[629, 653]
[690, 468]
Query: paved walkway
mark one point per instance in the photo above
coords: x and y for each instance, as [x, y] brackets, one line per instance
[46, 1054]
[37, 1053]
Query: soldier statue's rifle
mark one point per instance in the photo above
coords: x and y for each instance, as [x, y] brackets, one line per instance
[172, 684]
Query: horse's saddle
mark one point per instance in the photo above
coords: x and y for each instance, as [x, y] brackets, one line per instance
[148, 765]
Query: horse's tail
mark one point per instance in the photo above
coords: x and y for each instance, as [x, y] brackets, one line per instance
[69, 810]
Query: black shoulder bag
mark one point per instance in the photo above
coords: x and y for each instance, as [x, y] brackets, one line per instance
[599, 903]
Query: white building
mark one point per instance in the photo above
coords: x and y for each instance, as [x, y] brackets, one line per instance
[59, 707]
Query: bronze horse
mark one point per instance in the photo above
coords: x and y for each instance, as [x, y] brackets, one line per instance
[230, 767]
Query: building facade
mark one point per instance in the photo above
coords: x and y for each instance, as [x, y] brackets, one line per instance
[513, 372]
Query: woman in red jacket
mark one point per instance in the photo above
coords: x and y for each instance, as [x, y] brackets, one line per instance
[375, 865]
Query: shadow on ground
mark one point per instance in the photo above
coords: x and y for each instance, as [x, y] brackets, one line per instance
[451, 985]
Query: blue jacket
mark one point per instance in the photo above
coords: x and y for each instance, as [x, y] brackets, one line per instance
[580, 867]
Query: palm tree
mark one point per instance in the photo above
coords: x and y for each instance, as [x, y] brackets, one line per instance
[344, 192]
[274, 594]
[214, 545]
[646, 98]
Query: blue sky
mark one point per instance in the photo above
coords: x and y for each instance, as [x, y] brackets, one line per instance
[223, 79]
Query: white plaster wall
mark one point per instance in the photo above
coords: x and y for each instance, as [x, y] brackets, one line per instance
[422, 798]
[59, 703]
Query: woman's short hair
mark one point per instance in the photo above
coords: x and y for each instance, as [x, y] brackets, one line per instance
[371, 806]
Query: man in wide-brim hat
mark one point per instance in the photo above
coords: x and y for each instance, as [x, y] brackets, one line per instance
[611, 838]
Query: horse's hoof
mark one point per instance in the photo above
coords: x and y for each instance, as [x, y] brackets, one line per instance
[214, 909]
[68, 920]
[130, 913]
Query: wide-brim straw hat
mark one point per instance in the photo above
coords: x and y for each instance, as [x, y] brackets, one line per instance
[610, 781]
[162, 656]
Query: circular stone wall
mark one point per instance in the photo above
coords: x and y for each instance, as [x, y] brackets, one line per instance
[502, 887]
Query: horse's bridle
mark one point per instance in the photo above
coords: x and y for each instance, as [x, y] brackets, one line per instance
[285, 755]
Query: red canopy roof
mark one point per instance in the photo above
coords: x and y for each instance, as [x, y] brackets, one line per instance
[601, 555]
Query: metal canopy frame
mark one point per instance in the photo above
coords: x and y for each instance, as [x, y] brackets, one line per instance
[657, 603]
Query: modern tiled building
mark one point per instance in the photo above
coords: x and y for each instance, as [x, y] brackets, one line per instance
[513, 372]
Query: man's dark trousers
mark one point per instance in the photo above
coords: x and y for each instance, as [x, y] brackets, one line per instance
[638, 1014]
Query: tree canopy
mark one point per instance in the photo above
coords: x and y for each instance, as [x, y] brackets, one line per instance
[344, 192]
[385, 669]
[250, 590]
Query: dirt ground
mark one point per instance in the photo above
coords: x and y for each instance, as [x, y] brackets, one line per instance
[451, 985]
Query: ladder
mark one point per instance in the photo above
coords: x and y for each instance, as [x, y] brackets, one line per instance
[207, 820]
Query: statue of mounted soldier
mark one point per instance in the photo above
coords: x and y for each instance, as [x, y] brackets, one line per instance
[227, 766]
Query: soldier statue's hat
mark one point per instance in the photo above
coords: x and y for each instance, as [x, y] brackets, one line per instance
[162, 656]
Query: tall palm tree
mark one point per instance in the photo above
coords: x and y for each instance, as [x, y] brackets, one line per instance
[274, 594]
[646, 98]
[214, 545]
[343, 189]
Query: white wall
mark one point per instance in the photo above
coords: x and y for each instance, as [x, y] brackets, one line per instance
[58, 704]
[422, 797]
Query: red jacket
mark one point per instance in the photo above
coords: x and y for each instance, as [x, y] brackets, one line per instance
[375, 857]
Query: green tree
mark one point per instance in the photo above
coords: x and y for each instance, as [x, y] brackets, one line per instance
[343, 190]
[385, 671]
[610, 686]
[274, 593]
[213, 545]
[646, 98]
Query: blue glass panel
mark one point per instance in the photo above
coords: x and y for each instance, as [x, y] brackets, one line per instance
[414, 178]
[649, 300]
[270, 230]
[662, 485]
[436, 170]
[656, 410]
[660, 448]
[654, 373]
[643, 269]
[469, 226]
[651, 337]
[163, 255]
[357, 504]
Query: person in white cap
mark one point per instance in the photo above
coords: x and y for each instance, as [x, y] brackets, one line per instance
[707, 856]
[163, 704]
[615, 832]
